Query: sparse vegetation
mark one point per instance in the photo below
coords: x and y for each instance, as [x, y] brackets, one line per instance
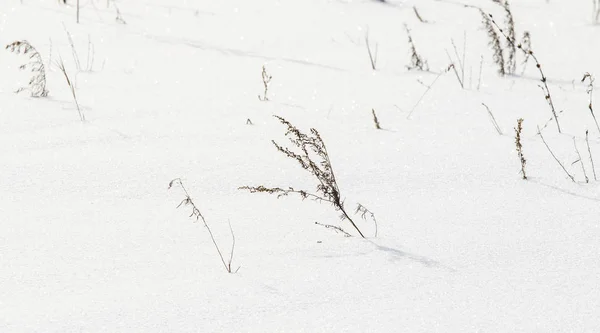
[37, 83]
[543, 79]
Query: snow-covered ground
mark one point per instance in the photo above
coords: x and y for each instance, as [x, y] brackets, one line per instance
[91, 239]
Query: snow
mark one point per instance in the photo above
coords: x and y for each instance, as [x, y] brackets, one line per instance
[91, 239]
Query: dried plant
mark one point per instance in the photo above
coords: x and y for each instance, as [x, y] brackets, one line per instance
[197, 215]
[375, 120]
[493, 119]
[511, 61]
[62, 68]
[372, 56]
[419, 15]
[587, 141]
[427, 90]
[494, 43]
[37, 83]
[590, 91]
[335, 228]
[587, 180]
[518, 131]
[266, 78]
[543, 78]
[460, 60]
[554, 156]
[314, 158]
[119, 17]
[416, 61]
[364, 211]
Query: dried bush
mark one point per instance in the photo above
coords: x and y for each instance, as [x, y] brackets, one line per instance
[314, 158]
[37, 83]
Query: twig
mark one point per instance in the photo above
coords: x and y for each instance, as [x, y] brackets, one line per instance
[375, 120]
[419, 15]
[334, 227]
[554, 156]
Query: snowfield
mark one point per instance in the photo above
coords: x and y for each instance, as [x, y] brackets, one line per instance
[91, 239]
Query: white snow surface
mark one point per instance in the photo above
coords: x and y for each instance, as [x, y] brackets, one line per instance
[91, 239]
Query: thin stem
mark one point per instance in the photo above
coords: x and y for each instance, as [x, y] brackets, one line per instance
[555, 158]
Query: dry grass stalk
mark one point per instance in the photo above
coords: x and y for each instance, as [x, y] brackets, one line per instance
[62, 68]
[543, 78]
[375, 120]
[493, 119]
[587, 180]
[187, 201]
[37, 83]
[73, 49]
[119, 17]
[416, 61]
[554, 156]
[314, 158]
[518, 131]
[266, 78]
[587, 141]
[427, 90]
[372, 57]
[590, 91]
[419, 15]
